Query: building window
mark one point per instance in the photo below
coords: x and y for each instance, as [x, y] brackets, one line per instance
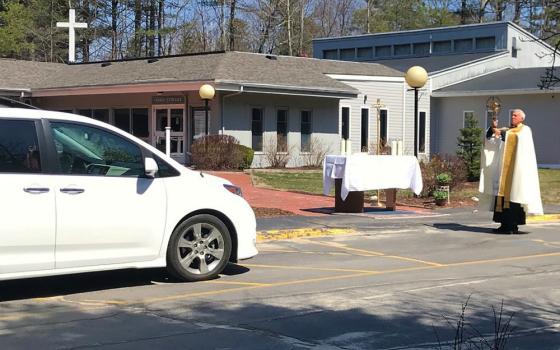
[485, 43]
[422, 132]
[345, 123]
[383, 51]
[365, 52]
[347, 54]
[257, 128]
[306, 128]
[282, 130]
[199, 123]
[122, 119]
[489, 116]
[133, 121]
[466, 115]
[365, 129]
[402, 50]
[97, 114]
[463, 45]
[441, 46]
[383, 125]
[421, 49]
[330, 54]
[140, 121]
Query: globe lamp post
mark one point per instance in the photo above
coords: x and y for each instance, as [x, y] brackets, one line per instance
[206, 93]
[416, 77]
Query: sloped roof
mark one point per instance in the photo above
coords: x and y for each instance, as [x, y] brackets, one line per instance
[19, 74]
[507, 81]
[232, 67]
[296, 71]
[434, 64]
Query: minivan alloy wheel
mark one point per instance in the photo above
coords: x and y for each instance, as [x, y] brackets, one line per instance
[199, 248]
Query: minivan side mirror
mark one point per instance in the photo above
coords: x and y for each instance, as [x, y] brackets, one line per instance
[150, 167]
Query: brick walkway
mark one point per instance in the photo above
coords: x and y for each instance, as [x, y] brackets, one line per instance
[297, 203]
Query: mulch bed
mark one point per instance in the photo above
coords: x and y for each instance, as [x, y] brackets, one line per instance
[268, 212]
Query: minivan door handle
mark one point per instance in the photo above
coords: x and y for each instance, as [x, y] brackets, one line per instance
[36, 190]
[70, 190]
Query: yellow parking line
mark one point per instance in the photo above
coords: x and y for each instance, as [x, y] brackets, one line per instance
[359, 273]
[48, 299]
[279, 251]
[320, 279]
[343, 247]
[546, 243]
[511, 258]
[16, 316]
[371, 253]
[239, 283]
[413, 260]
[190, 295]
[300, 252]
[286, 267]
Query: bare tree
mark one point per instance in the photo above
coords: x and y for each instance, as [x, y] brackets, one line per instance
[232, 5]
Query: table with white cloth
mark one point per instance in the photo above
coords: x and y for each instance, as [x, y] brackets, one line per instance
[362, 172]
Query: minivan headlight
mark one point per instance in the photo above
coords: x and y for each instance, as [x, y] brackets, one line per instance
[234, 189]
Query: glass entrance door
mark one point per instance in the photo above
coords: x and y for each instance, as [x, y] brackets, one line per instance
[174, 118]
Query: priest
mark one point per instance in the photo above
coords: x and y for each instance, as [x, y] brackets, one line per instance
[509, 179]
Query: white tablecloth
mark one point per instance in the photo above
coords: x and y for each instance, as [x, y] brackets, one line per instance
[361, 172]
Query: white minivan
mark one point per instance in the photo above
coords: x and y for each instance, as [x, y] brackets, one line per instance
[78, 195]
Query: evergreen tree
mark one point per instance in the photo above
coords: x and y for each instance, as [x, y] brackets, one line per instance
[470, 144]
[14, 31]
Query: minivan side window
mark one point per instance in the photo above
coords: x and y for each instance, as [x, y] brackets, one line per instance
[87, 150]
[164, 169]
[19, 148]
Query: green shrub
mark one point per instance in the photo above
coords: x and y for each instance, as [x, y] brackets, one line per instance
[443, 179]
[247, 158]
[438, 164]
[217, 152]
[440, 194]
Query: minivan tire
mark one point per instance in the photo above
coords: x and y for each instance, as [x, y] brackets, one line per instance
[199, 248]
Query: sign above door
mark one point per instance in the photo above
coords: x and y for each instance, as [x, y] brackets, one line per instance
[168, 100]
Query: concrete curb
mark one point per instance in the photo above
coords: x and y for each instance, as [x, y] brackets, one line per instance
[273, 235]
[543, 218]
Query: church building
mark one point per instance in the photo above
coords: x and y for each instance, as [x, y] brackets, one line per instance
[354, 89]
[467, 66]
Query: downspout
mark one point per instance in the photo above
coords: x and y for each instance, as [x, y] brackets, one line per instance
[223, 105]
[404, 117]
[429, 120]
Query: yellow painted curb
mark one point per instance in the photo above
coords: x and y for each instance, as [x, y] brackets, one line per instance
[543, 218]
[272, 235]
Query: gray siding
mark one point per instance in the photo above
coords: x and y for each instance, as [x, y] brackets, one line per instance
[391, 95]
[498, 30]
[325, 126]
[543, 116]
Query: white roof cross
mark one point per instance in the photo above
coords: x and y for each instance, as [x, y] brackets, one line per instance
[71, 24]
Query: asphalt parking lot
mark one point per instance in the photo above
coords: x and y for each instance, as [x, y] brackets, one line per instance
[397, 284]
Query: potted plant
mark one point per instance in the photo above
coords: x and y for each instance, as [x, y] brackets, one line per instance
[440, 197]
[443, 179]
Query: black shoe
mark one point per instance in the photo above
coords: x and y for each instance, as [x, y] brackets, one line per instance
[503, 230]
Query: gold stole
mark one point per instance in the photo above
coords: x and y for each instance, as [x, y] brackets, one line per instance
[508, 163]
